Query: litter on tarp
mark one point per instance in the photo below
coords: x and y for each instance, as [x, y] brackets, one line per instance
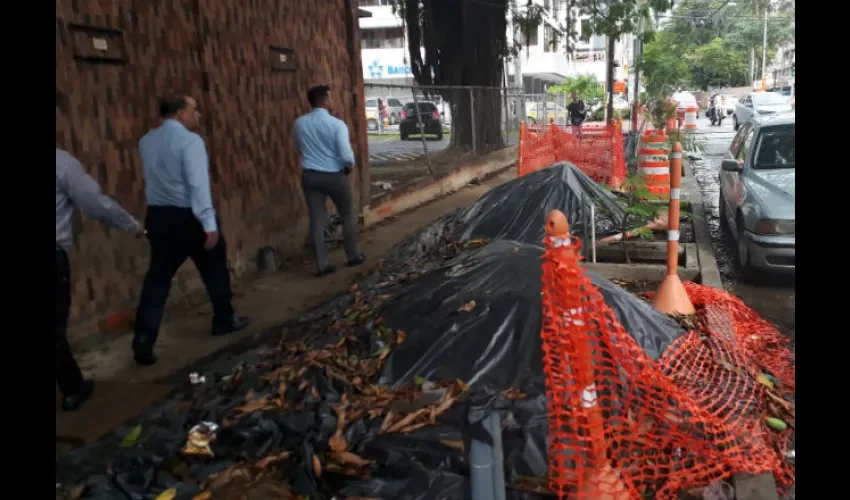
[200, 437]
[718, 490]
[196, 378]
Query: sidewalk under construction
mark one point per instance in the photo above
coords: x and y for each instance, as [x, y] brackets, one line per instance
[386, 389]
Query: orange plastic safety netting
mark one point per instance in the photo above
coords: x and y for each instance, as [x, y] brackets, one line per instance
[597, 149]
[623, 426]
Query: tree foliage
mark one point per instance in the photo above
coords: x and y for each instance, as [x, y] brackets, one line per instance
[715, 40]
[717, 64]
[586, 87]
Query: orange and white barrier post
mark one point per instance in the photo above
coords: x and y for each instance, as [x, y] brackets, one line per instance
[562, 257]
[671, 297]
[691, 119]
[653, 162]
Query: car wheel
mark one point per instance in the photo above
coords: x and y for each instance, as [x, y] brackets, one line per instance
[440, 135]
[403, 137]
[371, 125]
[735, 122]
[745, 267]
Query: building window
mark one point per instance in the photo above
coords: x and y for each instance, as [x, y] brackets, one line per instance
[382, 38]
[532, 37]
[373, 3]
[549, 42]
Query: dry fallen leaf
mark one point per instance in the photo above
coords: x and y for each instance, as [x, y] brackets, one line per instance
[337, 443]
[168, 494]
[453, 444]
[205, 495]
[253, 405]
[469, 306]
[266, 461]
[348, 458]
[317, 466]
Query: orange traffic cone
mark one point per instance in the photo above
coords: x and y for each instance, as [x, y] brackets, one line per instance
[671, 297]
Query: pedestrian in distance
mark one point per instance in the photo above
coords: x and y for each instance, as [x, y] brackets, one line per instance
[382, 114]
[181, 223]
[577, 112]
[75, 189]
[326, 161]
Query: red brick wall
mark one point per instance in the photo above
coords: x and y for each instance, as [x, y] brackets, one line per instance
[218, 50]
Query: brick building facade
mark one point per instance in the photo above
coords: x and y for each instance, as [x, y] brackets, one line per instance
[115, 57]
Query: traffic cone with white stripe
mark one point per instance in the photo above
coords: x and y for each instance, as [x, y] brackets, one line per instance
[671, 297]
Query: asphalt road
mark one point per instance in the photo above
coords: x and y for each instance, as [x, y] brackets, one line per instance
[391, 149]
[771, 296]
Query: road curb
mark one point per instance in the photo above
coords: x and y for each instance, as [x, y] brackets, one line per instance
[709, 271]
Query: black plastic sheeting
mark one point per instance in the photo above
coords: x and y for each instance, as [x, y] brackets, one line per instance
[497, 343]
[517, 210]
[430, 282]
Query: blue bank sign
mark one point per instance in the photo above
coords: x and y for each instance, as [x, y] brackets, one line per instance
[378, 70]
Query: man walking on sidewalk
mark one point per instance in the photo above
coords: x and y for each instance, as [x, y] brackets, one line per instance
[76, 189]
[326, 160]
[181, 223]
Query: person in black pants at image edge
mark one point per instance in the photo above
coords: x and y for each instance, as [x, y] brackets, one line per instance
[181, 223]
[326, 161]
[76, 189]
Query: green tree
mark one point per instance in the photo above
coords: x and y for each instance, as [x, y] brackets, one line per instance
[717, 65]
[586, 87]
[662, 65]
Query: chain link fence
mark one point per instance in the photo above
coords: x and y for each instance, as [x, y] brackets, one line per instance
[416, 132]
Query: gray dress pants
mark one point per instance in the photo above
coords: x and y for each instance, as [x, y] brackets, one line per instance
[318, 187]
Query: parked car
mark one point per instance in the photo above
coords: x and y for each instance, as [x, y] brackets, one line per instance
[372, 124]
[536, 111]
[731, 101]
[757, 193]
[394, 109]
[429, 115]
[685, 100]
[759, 104]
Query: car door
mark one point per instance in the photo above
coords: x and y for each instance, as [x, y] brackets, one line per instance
[732, 184]
[745, 110]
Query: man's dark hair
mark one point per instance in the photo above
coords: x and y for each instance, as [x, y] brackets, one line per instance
[171, 103]
[61, 102]
[318, 95]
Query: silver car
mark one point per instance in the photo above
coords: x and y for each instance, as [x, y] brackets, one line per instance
[757, 201]
[759, 104]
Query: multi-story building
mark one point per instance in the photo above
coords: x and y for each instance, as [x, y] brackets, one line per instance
[542, 63]
[781, 70]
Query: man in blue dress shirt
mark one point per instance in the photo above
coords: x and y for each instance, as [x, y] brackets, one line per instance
[181, 223]
[326, 161]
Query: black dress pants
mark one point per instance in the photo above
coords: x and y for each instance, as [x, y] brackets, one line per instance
[176, 235]
[68, 375]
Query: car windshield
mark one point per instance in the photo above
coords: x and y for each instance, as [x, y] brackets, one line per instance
[371, 103]
[776, 148]
[769, 99]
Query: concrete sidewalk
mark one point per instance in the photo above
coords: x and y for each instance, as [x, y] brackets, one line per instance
[269, 301]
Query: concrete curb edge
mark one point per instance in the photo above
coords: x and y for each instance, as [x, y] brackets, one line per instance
[709, 272]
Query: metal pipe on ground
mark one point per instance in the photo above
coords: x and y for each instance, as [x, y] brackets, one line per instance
[486, 462]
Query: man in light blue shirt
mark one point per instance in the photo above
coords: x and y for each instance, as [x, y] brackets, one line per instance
[181, 223]
[326, 161]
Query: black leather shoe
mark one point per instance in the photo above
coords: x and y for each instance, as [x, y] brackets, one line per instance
[325, 271]
[145, 358]
[235, 324]
[74, 401]
[357, 261]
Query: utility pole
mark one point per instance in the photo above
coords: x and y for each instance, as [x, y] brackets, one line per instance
[609, 78]
[764, 48]
[752, 65]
